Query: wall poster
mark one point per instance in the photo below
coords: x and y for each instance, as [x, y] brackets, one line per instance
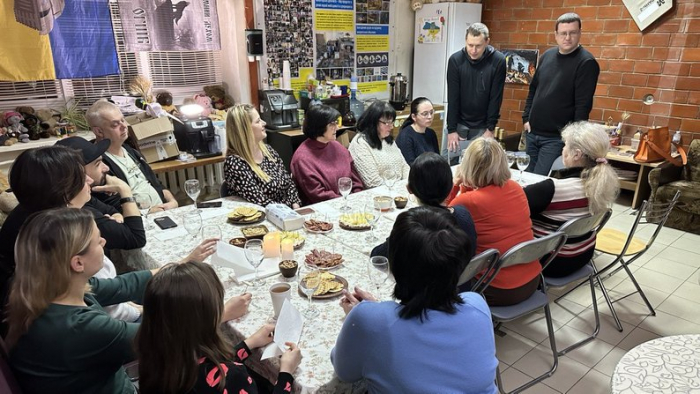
[335, 40]
[288, 36]
[520, 65]
[372, 59]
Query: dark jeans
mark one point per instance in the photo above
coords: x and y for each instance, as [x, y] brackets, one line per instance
[542, 151]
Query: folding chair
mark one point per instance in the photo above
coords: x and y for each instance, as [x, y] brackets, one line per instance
[486, 261]
[523, 253]
[628, 247]
[575, 228]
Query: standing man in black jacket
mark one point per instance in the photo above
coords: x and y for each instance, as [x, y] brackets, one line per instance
[107, 122]
[561, 92]
[476, 76]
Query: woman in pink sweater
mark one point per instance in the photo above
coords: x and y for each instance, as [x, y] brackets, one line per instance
[501, 216]
[320, 161]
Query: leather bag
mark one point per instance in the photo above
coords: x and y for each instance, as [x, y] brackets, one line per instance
[655, 146]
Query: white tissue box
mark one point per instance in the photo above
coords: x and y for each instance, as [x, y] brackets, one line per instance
[284, 217]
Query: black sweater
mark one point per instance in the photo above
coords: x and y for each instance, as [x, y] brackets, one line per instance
[475, 89]
[561, 91]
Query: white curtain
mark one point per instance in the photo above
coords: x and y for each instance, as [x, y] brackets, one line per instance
[233, 49]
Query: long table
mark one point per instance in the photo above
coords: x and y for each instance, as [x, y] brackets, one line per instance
[315, 374]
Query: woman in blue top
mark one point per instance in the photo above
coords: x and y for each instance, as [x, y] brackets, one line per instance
[434, 340]
[416, 136]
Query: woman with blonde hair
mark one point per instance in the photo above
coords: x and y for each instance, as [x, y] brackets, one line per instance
[253, 170]
[587, 184]
[501, 216]
[60, 338]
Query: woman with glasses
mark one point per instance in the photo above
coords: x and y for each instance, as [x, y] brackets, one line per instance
[253, 170]
[373, 148]
[416, 136]
[320, 161]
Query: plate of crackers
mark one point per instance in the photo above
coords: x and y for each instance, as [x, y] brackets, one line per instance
[354, 221]
[295, 236]
[246, 215]
[330, 285]
[324, 260]
[318, 226]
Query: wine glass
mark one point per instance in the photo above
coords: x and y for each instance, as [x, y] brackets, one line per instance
[378, 270]
[211, 231]
[192, 188]
[522, 161]
[254, 253]
[372, 213]
[144, 203]
[308, 286]
[390, 177]
[193, 222]
[510, 157]
[344, 187]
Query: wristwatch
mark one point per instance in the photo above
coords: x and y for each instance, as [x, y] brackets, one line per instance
[125, 200]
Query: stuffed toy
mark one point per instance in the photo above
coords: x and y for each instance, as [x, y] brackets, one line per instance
[5, 137]
[165, 99]
[13, 120]
[47, 122]
[203, 100]
[219, 99]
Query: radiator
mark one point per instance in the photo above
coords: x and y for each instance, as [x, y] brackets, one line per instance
[210, 178]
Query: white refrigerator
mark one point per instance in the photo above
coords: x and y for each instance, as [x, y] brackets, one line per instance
[440, 31]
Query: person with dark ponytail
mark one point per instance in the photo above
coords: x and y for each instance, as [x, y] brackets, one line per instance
[416, 136]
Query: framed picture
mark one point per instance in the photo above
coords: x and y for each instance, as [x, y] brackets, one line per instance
[520, 65]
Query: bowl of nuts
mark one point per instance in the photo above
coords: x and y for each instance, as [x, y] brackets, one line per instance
[238, 241]
[288, 268]
[400, 202]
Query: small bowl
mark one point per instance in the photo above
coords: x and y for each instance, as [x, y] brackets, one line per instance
[238, 241]
[382, 202]
[400, 202]
[254, 232]
[288, 268]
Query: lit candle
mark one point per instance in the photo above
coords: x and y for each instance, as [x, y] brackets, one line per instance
[271, 244]
[287, 249]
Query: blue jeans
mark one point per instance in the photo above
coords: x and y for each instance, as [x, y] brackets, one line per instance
[455, 157]
[542, 151]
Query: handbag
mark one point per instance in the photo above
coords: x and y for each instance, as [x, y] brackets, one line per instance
[655, 145]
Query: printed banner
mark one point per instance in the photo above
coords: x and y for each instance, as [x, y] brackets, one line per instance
[156, 25]
[373, 87]
[335, 41]
[82, 41]
[26, 53]
[372, 17]
[333, 20]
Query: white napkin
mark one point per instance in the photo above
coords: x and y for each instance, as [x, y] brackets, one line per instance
[208, 213]
[288, 329]
[233, 257]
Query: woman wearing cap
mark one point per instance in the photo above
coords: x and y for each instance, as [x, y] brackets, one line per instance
[587, 184]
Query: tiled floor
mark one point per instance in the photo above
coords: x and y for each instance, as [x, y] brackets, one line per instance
[669, 274]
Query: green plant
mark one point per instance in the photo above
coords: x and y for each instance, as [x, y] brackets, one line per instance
[74, 114]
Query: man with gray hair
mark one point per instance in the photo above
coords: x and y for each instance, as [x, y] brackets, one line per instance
[476, 76]
[560, 93]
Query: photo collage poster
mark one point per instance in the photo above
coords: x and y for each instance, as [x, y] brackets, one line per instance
[329, 39]
[288, 36]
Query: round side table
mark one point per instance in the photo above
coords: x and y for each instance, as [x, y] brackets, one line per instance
[662, 365]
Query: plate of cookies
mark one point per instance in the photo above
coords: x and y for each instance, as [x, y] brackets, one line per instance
[329, 286]
[295, 237]
[318, 226]
[246, 215]
[354, 222]
[323, 259]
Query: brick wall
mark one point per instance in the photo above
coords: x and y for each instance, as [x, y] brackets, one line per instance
[664, 60]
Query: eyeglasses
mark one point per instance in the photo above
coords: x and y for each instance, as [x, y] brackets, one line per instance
[569, 33]
[334, 123]
[386, 122]
[427, 114]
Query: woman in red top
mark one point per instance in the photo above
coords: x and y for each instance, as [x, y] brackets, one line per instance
[501, 216]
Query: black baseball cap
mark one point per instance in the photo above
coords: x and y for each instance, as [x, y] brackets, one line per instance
[91, 151]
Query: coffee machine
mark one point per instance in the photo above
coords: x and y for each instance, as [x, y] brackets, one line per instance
[280, 109]
[198, 137]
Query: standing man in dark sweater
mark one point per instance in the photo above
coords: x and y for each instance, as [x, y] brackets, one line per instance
[561, 92]
[475, 79]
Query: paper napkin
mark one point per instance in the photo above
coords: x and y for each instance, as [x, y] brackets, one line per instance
[288, 329]
[233, 257]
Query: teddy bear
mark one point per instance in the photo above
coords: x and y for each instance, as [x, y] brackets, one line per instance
[13, 120]
[203, 100]
[47, 123]
[219, 99]
[165, 99]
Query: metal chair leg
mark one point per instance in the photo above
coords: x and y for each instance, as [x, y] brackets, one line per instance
[639, 290]
[610, 303]
[597, 323]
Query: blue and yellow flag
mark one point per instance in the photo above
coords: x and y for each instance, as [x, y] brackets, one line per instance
[25, 53]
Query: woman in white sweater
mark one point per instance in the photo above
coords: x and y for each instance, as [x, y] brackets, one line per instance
[373, 149]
